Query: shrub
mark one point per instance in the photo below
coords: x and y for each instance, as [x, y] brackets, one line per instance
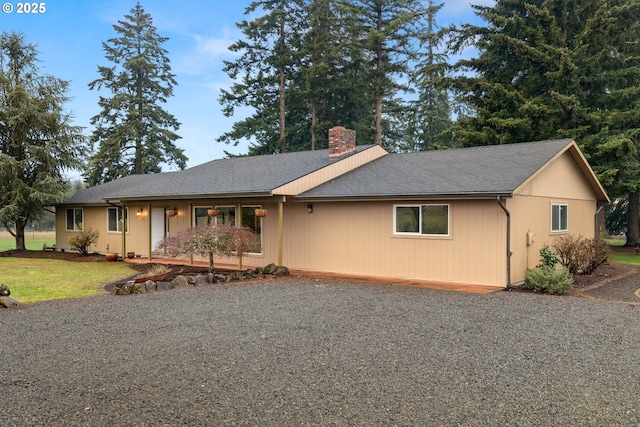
[548, 279]
[83, 240]
[548, 257]
[581, 255]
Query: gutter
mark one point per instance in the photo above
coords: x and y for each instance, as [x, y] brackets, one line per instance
[509, 253]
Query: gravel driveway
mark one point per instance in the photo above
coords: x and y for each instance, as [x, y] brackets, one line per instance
[320, 353]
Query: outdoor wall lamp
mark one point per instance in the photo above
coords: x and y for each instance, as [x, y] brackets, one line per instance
[310, 208]
[139, 213]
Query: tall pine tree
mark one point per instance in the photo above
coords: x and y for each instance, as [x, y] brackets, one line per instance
[385, 31]
[429, 116]
[268, 66]
[133, 132]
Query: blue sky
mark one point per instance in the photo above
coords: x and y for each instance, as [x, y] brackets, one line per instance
[69, 36]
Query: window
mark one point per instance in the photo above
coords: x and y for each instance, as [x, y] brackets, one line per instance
[559, 218]
[227, 216]
[201, 216]
[115, 220]
[74, 219]
[428, 220]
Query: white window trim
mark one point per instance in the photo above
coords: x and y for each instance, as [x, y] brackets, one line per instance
[419, 206]
[126, 215]
[66, 223]
[559, 230]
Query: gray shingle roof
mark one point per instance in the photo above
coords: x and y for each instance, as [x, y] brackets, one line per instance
[479, 171]
[238, 176]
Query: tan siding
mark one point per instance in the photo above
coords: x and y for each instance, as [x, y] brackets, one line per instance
[562, 179]
[561, 182]
[334, 170]
[357, 238]
[94, 217]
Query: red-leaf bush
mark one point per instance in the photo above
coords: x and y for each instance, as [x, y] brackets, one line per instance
[210, 240]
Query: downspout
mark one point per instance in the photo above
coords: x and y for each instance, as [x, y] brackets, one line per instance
[597, 235]
[280, 225]
[239, 225]
[150, 247]
[124, 218]
[506, 211]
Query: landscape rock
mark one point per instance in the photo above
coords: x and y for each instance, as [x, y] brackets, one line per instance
[270, 269]
[164, 286]
[149, 286]
[8, 302]
[180, 282]
[4, 291]
[200, 280]
[281, 271]
[130, 288]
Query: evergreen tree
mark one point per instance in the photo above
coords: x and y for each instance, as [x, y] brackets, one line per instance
[322, 50]
[560, 68]
[386, 32]
[134, 133]
[614, 49]
[430, 115]
[269, 65]
[37, 141]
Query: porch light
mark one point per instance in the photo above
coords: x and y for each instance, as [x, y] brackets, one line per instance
[139, 213]
[172, 212]
[310, 208]
[261, 212]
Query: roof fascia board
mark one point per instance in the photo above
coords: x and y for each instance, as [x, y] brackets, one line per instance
[331, 171]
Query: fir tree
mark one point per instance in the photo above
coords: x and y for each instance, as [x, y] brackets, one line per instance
[430, 115]
[266, 70]
[559, 69]
[133, 132]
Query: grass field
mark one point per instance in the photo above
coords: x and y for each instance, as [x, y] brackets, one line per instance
[33, 240]
[32, 280]
[625, 258]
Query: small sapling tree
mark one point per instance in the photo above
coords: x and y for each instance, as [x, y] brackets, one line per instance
[210, 240]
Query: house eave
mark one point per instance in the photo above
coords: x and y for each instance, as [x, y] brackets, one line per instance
[403, 197]
[152, 198]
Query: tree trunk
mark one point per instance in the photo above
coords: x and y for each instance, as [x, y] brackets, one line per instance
[378, 90]
[283, 145]
[633, 219]
[19, 235]
[211, 262]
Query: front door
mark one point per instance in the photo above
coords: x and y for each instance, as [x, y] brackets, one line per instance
[158, 227]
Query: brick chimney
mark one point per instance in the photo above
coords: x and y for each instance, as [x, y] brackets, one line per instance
[341, 141]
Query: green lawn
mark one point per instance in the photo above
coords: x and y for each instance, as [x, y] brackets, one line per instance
[31, 280]
[625, 258]
[33, 240]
